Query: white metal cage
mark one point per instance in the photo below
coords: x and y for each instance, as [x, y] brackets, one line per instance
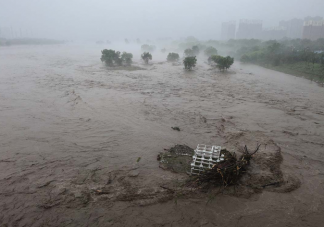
[205, 157]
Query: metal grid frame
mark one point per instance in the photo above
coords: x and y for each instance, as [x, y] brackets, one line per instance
[205, 157]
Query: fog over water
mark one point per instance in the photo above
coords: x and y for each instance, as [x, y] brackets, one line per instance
[112, 19]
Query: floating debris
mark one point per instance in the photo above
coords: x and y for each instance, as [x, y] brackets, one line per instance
[176, 128]
[176, 159]
[205, 157]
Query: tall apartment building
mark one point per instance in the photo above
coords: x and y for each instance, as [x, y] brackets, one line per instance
[249, 29]
[228, 30]
[274, 33]
[294, 28]
[313, 30]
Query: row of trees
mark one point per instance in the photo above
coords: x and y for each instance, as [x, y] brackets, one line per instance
[113, 58]
[222, 63]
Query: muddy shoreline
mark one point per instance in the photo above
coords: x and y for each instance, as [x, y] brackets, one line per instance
[72, 133]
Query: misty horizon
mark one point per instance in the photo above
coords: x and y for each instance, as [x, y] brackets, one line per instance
[117, 20]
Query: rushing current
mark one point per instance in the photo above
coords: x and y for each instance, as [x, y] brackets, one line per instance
[79, 141]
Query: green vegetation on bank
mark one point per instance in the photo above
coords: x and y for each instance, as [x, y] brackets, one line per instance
[300, 57]
[302, 69]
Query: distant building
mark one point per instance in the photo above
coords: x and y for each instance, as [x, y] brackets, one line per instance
[274, 33]
[317, 18]
[228, 30]
[313, 30]
[294, 28]
[249, 29]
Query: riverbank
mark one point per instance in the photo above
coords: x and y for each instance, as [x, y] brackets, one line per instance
[314, 72]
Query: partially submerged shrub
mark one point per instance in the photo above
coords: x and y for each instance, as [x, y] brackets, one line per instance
[111, 57]
[195, 50]
[146, 56]
[118, 61]
[190, 62]
[188, 53]
[245, 58]
[127, 58]
[172, 57]
[222, 63]
[148, 48]
[209, 51]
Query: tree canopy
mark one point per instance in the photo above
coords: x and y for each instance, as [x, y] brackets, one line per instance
[127, 58]
[190, 62]
[209, 51]
[146, 56]
[112, 57]
[188, 53]
[173, 57]
[222, 63]
[148, 48]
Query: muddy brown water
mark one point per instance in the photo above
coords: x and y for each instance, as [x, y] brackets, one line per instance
[72, 132]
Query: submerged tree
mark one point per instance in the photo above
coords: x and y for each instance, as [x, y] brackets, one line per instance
[146, 56]
[108, 56]
[172, 57]
[209, 51]
[195, 50]
[117, 59]
[127, 58]
[190, 62]
[148, 48]
[111, 57]
[222, 63]
[245, 58]
[188, 53]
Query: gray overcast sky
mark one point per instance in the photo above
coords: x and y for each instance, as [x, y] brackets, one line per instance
[114, 19]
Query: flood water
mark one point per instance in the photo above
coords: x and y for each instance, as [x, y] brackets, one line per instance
[71, 126]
